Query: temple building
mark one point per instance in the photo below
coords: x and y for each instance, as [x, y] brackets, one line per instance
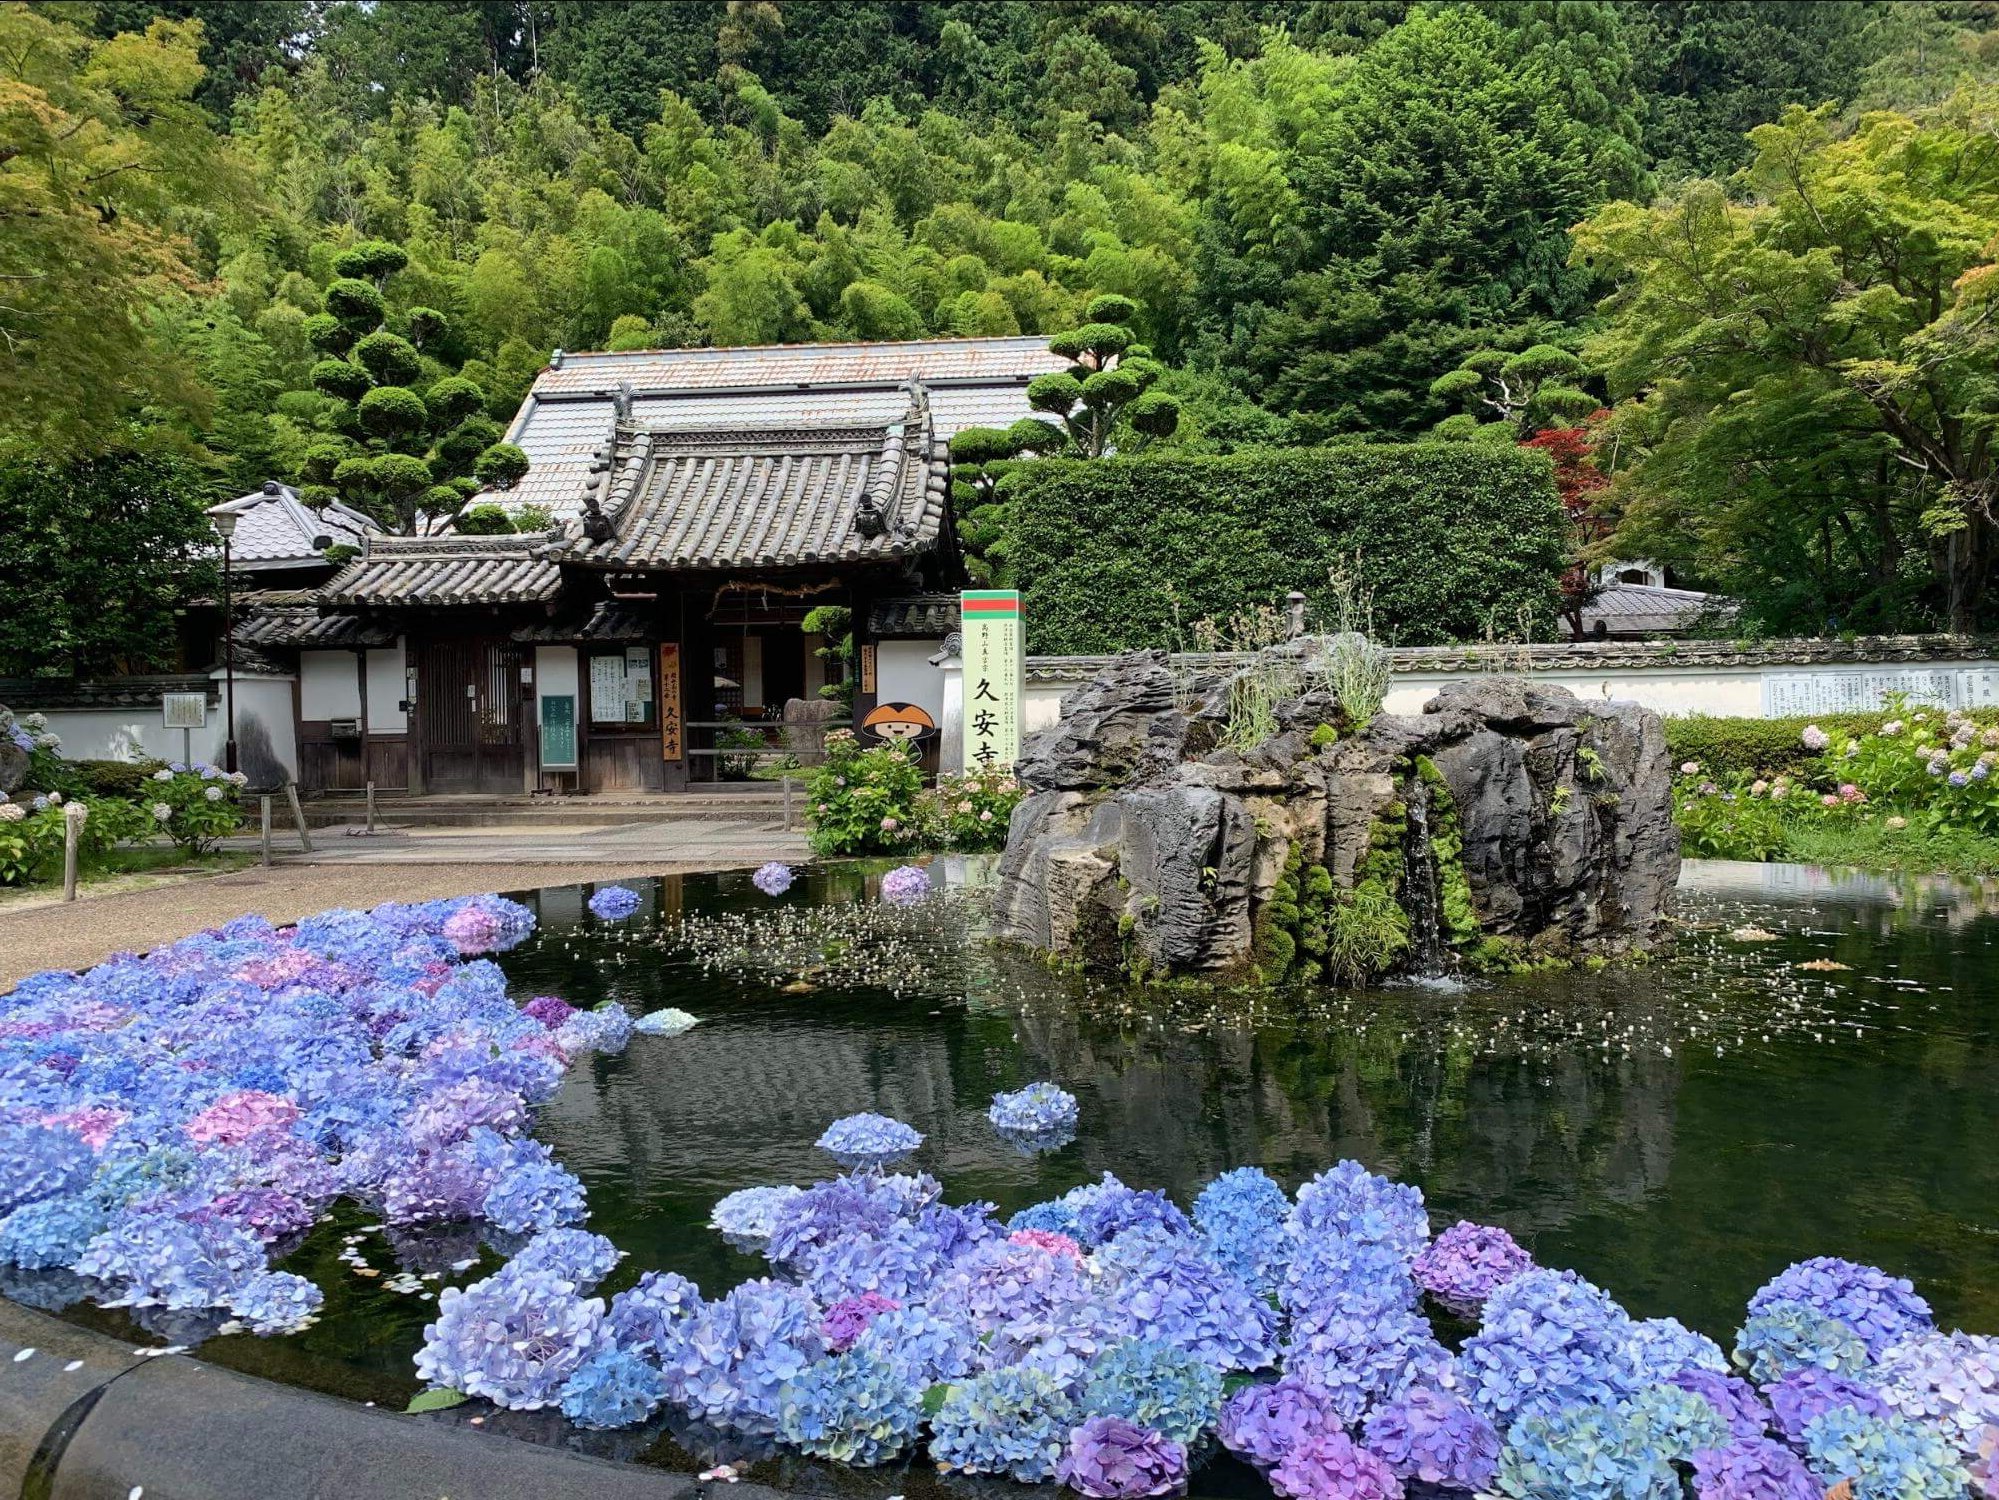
[699, 506]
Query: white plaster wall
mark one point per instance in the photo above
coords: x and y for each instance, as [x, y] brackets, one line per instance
[1729, 694]
[329, 685]
[903, 674]
[268, 699]
[387, 687]
[134, 734]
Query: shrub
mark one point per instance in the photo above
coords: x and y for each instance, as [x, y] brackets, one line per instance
[391, 359]
[195, 806]
[973, 811]
[1727, 748]
[863, 801]
[501, 466]
[454, 398]
[355, 303]
[372, 259]
[1447, 537]
[482, 520]
[391, 411]
[341, 379]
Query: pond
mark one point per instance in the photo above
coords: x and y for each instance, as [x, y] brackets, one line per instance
[1814, 1071]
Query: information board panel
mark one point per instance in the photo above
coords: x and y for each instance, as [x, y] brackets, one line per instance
[672, 744]
[994, 667]
[558, 732]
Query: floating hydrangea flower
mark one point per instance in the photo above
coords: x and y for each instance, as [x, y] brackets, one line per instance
[1949, 1379]
[1165, 1289]
[534, 1196]
[36, 1162]
[1549, 1339]
[1049, 1240]
[240, 1118]
[1007, 1421]
[276, 1302]
[1333, 1468]
[1783, 1336]
[1264, 1422]
[748, 1213]
[924, 1349]
[773, 878]
[1361, 1361]
[1663, 1347]
[869, 1138]
[668, 1022]
[1588, 1451]
[1734, 1400]
[847, 1319]
[1800, 1397]
[1241, 1215]
[854, 1409]
[612, 1388]
[652, 1317]
[156, 1260]
[905, 885]
[514, 1338]
[1884, 1458]
[550, 1010]
[1112, 1209]
[1038, 1109]
[1112, 1459]
[1348, 1200]
[50, 1232]
[1431, 1435]
[1156, 1386]
[575, 1255]
[1467, 1263]
[1753, 1468]
[1879, 1307]
[740, 1351]
[1677, 1421]
[614, 903]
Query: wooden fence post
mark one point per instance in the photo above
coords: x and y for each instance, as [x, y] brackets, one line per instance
[73, 815]
[264, 810]
[298, 816]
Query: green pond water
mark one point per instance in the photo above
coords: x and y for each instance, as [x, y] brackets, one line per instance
[1676, 1131]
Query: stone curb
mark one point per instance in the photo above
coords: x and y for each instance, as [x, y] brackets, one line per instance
[173, 1428]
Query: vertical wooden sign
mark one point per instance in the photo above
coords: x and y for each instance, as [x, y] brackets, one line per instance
[671, 744]
[993, 670]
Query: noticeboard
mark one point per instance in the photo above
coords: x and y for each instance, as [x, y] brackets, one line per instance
[671, 745]
[184, 710]
[558, 732]
[993, 662]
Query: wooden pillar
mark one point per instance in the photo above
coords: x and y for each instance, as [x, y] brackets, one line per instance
[865, 668]
[415, 687]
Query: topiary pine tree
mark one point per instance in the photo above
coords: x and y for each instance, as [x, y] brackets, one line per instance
[1513, 395]
[1105, 399]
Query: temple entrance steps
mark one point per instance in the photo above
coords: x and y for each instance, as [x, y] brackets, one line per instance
[753, 802]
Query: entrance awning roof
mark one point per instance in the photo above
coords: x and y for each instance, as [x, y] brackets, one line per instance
[446, 570]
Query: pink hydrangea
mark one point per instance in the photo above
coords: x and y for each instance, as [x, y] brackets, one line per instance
[238, 1118]
[1333, 1467]
[96, 1124]
[1049, 1240]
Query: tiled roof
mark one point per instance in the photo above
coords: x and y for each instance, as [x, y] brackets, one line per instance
[1643, 608]
[568, 415]
[301, 625]
[773, 497]
[612, 620]
[276, 529]
[410, 570]
[929, 616]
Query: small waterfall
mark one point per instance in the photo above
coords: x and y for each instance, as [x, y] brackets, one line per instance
[1420, 896]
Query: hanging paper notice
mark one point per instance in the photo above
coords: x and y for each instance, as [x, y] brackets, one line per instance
[607, 690]
[994, 662]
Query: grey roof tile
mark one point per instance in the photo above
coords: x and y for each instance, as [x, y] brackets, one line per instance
[926, 616]
[428, 570]
[276, 529]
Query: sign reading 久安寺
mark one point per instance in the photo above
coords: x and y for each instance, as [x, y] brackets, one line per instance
[994, 658]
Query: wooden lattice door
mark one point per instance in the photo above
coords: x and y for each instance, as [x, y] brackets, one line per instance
[474, 710]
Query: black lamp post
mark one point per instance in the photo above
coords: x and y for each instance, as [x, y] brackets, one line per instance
[225, 527]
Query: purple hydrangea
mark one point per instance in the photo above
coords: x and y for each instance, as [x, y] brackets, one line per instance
[514, 1338]
[549, 1010]
[905, 885]
[1799, 1397]
[652, 1317]
[1548, 1340]
[1333, 1468]
[1734, 1400]
[1263, 1422]
[847, 1319]
[614, 903]
[864, 1138]
[1878, 1307]
[1348, 1200]
[1110, 1458]
[1467, 1263]
[1753, 1468]
[1951, 1380]
[612, 1388]
[1433, 1436]
[773, 878]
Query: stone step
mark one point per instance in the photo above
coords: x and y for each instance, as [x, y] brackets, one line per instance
[572, 812]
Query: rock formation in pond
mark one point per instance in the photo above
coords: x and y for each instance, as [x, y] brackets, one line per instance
[1508, 824]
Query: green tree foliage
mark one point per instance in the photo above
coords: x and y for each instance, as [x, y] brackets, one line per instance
[98, 554]
[1806, 369]
[1450, 537]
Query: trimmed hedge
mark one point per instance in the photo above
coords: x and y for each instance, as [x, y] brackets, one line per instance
[1770, 747]
[1449, 536]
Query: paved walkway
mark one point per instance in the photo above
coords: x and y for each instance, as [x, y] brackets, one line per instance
[356, 871]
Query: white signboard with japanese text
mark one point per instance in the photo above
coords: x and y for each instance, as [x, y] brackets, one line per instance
[1789, 694]
[184, 710]
[995, 658]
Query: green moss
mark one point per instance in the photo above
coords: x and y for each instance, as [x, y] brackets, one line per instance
[1447, 846]
[1324, 735]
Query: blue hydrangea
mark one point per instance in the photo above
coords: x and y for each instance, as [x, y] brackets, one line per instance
[855, 1408]
[614, 903]
[606, 1029]
[1678, 1421]
[1241, 1215]
[1784, 1336]
[1010, 1291]
[748, 1213]
[276, 1302]
[514, 1338]
[157, 1260]
[1878, 1307]
[612, 1388]
[575, 1255]
[1038, 1109]
[739, 1351]
[1589, 1451]
[923, 1348]
[1155, 1385]
[1885, 1458]
[1347, 1199]
[1170, 1291]
[1332, 1276]
[652, 1317]
[866, 1138]
[1009, 1421]
[1663, 1347]
[51, 1232]
[1361, 1361]
[37, 1163]
[1548, 1340]
[1117, 1209]
[900, 1262]
[534, 1196]
[826, 1212]
[1430, 1435]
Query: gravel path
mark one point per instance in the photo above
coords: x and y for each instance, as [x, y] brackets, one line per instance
[73, 936]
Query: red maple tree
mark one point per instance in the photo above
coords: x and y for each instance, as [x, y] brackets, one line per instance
[1579, 482]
